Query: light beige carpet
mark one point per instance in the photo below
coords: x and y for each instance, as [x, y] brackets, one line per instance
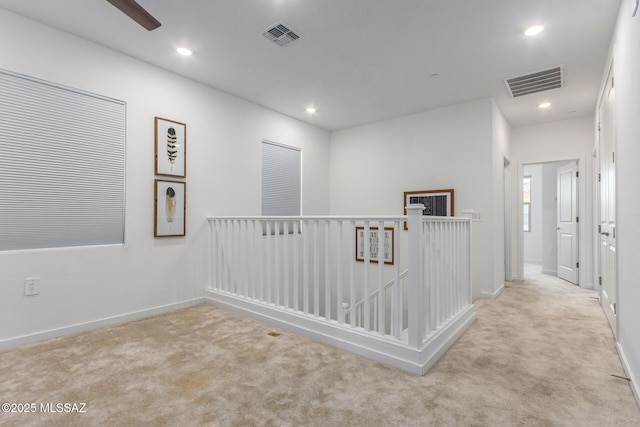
[541, 354]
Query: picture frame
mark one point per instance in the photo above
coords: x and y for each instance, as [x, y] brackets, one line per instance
[436, 202]
[170, 208]
[388, 245]
[170, 140]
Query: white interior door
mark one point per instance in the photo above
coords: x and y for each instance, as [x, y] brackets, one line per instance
[607, 176]
[567, 228]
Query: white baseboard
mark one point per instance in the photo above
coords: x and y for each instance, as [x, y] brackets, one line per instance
[493, 295]
[94, 324]
[374, 347]
[549, 272]
[635, 386]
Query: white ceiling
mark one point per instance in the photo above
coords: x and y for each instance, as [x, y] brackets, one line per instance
[361, 61]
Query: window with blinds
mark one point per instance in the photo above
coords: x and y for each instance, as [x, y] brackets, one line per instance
[281, 180]
[62, 178]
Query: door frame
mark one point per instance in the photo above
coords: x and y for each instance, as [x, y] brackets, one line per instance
[508, 275]
[584, 227]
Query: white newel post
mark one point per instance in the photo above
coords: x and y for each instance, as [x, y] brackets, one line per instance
[414, 276]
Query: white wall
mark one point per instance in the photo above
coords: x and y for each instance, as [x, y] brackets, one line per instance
[451, 147]
[561, 140]
[626, 47]
[83, 285]
[533, 238]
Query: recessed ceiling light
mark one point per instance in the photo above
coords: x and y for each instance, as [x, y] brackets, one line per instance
[544, 105]
[311, 110]
[434, 75]
[533, 31]
[184, 51]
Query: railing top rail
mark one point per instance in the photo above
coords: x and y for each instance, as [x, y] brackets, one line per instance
[338, 218]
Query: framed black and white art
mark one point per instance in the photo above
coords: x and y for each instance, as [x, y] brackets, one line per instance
[170, 148]
[170, 208]
[381, 245]
[436, 202]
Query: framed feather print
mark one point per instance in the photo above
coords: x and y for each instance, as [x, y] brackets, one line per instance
[170, 208]
[171, 147]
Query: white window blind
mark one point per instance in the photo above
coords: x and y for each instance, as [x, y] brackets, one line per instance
[281, 180]
[62, 155]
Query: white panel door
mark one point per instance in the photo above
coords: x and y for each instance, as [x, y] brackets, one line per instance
[608, 256]
[567, 228]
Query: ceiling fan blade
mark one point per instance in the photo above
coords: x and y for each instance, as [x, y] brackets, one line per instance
[136, 12]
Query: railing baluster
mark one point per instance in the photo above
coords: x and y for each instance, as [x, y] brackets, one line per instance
[447, 264]
[234, 256]
[253, 259]
[327, 270]
[352, 286]
[382, 297]
[277, 242]
[316, 271]
[285, 255]
[433, 302]
[305, 266]
[296, 260]
[396, 295]
[366, 292]
[227, 264]
[339, 290]
[458, 267]
[454, 264]
[262, 258]
[427, 275]
[267, 259]
[215, 249]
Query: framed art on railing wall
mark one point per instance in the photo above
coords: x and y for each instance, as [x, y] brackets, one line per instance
[379, 244]
[436, 202]
[170, 208]
[170, 147]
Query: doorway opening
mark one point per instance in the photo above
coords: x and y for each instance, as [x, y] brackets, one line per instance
[549, 207]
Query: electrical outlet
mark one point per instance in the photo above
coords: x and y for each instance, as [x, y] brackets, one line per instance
[32, 286]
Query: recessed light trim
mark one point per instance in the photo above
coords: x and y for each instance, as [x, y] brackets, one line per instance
[311, 110]
[184, 51]
[544, 105]
[534, 30]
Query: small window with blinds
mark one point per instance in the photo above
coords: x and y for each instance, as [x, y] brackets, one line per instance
[63, 166]
[281, 181]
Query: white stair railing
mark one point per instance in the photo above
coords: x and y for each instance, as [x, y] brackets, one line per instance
[324, 273]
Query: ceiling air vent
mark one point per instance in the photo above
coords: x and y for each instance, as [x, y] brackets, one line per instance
[281, 34]
[539, 81]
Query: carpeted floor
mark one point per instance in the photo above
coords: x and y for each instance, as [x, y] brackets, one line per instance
[541, 354]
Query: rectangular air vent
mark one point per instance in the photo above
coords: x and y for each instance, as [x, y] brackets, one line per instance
[539, 81]
[281, 34]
